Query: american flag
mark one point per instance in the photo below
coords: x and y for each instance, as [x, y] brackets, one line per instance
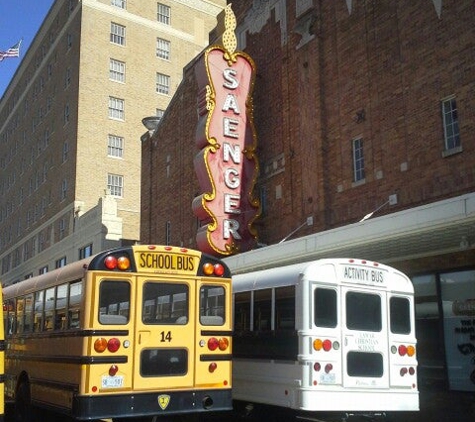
[13, 51]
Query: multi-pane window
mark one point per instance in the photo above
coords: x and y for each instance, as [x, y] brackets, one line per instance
[115, 146]
[358, 160]
[159, 113]
[119, 3]
[115, 184]
[117, 35]
[163, 13]
[64, 189]
[116, 70]
[85, 251]
[116, 108]
[61, 262]
[163, 49]
[451, 124]
[163, 84]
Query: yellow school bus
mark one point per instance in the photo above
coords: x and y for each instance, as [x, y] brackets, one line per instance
[135, 332]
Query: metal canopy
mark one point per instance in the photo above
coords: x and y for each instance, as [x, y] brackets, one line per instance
[429, 230]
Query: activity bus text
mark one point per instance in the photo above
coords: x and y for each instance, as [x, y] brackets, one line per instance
[335, 336]
[138, 331]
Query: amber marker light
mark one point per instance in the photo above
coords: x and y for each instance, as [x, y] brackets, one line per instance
[208, 268]
[100, 345]
[123, 263]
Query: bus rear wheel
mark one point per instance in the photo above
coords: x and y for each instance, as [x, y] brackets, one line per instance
[23, 410]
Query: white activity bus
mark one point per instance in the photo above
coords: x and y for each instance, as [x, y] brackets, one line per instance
[335, 336]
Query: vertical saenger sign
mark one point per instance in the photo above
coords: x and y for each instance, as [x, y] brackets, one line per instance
[226, 165]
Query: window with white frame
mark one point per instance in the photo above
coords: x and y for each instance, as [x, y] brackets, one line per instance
[451, 124]
[43, 270]
[163, 13]
[115, 184]
[115, 146]
[163, 84]
[61, 262]
[86, 251]
[358, 160]
[122, 4]
[62, 229]
[117, 35]
[159, 113]
[163, 49]
[116, 108]
[116, 70]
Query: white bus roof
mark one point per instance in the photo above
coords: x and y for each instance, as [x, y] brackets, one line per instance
[335, 271]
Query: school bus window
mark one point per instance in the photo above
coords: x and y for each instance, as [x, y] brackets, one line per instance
[212, 305]
[165, 303]
[10, 316]
[75, 296]
[399, 315]
[20, 310]
[28, 314]
[60, 308]
[325, 308]
[262, 309]
[363, 311]
[285, 308]
[163, 362]
[38, 313]
[242, 311]
[114, 302]
[49, 309]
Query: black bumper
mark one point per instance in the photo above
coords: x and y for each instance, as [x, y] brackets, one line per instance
[151, 404]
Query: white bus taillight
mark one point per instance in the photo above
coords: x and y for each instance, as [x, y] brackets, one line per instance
[326, 345]
[404, 350]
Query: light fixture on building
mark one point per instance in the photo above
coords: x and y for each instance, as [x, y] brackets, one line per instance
[309, 222]
[151, 123]
[392, 200]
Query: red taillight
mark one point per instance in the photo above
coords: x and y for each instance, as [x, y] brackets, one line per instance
[317, 366]
[113, 370]
[327, 345]
[213, 269]
[113, 345]
[412, 371]
[402, 350]
[328, 368]
[110, 262]
[218, 270]
[212, 367]
[403, 371]
[213, 343]
[100, 345]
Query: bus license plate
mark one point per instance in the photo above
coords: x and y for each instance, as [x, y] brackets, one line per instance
[113, 382]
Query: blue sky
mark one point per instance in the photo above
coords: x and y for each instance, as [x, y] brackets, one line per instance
[18, 19]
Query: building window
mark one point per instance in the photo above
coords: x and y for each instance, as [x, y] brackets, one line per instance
[64, 189]
[159, 113]
[451, 124]
[43, 270]
[163, 49]
[67, 77]
[115, 146]
[85, 251]
[122, 4]
[358, 160]
[115, 184]
[116, 70]
[116, 108]
[62, 229]
[69, 40]
[66, 114]
[163, 13]
[168, 233]
[163, 83]
[61, 262]
[65, 151]
[117, 35]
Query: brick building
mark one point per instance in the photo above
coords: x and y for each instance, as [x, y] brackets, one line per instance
[363, 109]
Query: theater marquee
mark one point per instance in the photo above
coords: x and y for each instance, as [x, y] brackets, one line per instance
[226, 165]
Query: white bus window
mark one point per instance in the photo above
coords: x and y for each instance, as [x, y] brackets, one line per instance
[242, 311]
[262, 310]
[325, 307]
[212, 305]
[363, 311]
[38, 313]
[399, 315]
[165, 303]
[114, 302]
[285, 308]
[49, 309]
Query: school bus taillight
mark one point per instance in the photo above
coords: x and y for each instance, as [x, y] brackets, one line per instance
[113, 370]
[113, 345]
[112, 262]
[223, 343]
[213, 269]
[100, 345]
[212, 367]
[326, 345]
[213, 343]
